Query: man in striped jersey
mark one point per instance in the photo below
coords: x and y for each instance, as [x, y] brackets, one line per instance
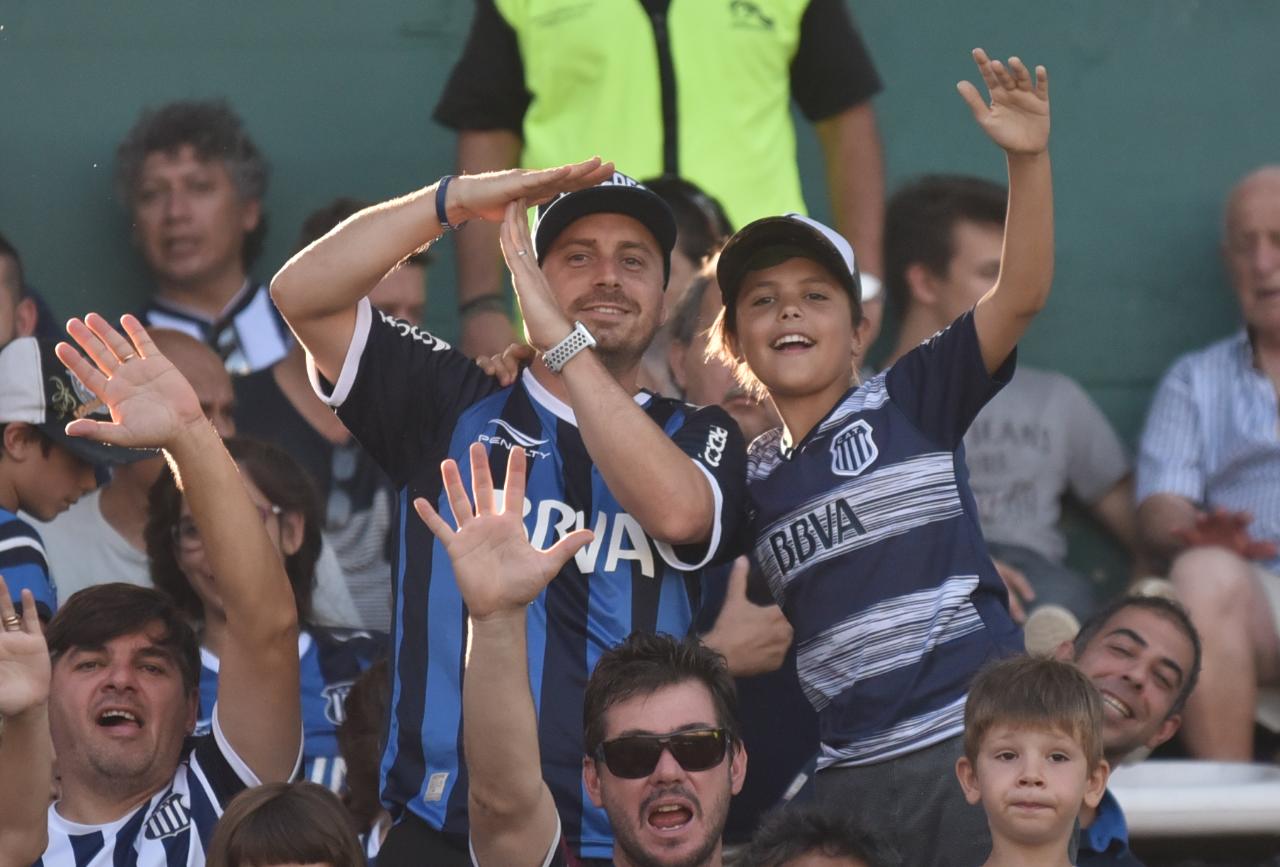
[1209, 484]
[658, 481]
[135, 789]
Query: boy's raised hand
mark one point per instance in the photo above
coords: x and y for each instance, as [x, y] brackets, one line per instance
[151, 404]
[1018, 117]
[498, 571]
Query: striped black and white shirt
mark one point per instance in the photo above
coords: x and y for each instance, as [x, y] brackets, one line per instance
[173, 828]
[1213, 437]
[248, 335]
[869, 536]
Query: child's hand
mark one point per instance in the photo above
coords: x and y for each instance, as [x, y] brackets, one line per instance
[1018, 117]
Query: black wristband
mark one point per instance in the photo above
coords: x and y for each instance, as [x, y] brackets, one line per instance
[442, 188]
[491, 302]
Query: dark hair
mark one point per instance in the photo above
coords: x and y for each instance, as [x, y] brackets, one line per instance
[920, 220]
[684, 320]
[701, 223]
[216, 133]
[7, 249]
[322, 220]
[1170, 610]
[646, 662]
[282, 480]
[813, 828]
[97, 614]
[360, 742]
[284, 823]
[1034, 691]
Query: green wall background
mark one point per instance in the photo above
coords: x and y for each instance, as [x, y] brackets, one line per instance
[1158, 106]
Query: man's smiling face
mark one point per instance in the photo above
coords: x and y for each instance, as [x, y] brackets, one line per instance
[1140, 661]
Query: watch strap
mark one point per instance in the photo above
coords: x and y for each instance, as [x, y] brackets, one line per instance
[577, 340]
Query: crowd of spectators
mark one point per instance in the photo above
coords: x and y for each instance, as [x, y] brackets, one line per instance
[739, 598]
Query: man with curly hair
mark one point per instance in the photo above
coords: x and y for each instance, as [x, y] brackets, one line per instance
[194, 181]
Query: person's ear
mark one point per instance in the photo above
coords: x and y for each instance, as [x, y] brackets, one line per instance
[250, 215]
[1065, 652]
[1097, 783]
[193, 710]
[18, 440]
[968, 778]
[921, 285]
[1167, 729]
[676, 354]
[738, 767]
[292, 530]
[591, 780]
[24, 318]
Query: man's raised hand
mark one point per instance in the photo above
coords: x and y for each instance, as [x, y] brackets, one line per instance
[498, 571]
[151, 404]
[485, 196]
[24, 657]
[544, 321]
[1017, 118]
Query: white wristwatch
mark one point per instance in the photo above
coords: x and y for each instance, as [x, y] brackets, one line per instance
[577, 340]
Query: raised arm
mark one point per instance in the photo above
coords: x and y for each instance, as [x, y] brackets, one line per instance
[26, 751]
[654, 480]
[319, 289]
[1017, 119]
[153, 406]
[513, 817]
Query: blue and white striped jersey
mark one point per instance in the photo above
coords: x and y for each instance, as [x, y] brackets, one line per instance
[172, 829]
[1212, 437]
[412, 401]
[869, 537]
[24, 564]
[329, 661]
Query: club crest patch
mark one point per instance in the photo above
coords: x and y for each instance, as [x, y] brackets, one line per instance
[168, 818]
[853, 449]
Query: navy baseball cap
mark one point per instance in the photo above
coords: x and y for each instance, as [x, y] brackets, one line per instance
[618, 195]
[796, 232]
[37, 388]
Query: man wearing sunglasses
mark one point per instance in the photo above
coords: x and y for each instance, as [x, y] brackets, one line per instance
[663, 752]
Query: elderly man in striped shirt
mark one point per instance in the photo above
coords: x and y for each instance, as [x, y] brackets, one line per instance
[1208, 483]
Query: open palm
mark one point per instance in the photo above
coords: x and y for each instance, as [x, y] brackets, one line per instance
[24, 657]
[496, 567]
[486, 196]
[1017, 118]
[151, 403]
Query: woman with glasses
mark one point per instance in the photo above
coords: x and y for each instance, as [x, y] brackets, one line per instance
[330, 659]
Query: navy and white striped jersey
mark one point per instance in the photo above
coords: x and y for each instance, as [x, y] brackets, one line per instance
[412, 401]
[329, 661]
[24, 564]
[1211, 437]
[249, 335]
[869, 537]
[172, 829]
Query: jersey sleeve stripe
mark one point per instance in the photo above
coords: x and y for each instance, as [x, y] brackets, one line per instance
[350, 364]
[669, 554]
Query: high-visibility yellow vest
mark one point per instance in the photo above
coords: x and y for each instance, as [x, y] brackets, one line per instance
[598, 70]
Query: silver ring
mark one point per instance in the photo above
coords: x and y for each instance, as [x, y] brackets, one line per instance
[522, 252]
[127, 358]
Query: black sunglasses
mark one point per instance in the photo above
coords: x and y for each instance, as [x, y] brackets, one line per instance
[635, 756]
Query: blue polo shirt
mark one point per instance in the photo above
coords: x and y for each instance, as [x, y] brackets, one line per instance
[1106, 841]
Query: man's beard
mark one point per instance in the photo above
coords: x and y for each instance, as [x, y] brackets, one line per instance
[630, 845]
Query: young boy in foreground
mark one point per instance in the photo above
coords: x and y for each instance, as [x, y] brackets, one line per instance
[1033, 756]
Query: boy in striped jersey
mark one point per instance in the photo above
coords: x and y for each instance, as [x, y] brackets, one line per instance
[861, 514]
[42, 470]
[135, 788]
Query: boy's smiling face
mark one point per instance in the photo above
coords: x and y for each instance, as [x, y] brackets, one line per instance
[795, 329]
[1031, 782]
